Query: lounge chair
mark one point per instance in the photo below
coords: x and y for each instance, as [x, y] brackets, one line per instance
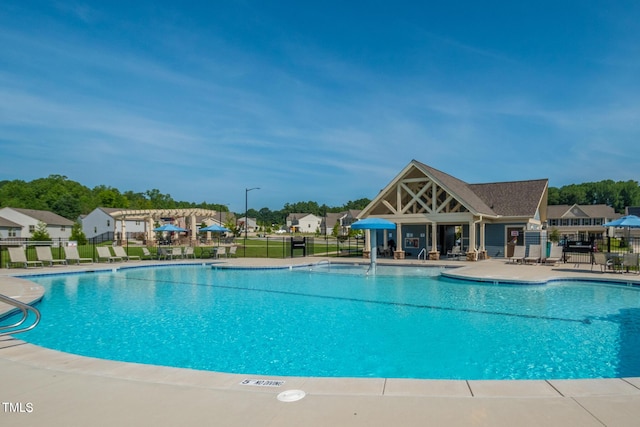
[601, 259]
[104, 254]
[120, 252]
[176, 253]
[146, 253]
[535, 254]
[554, 256]
[456, 252]
[232, 251]
[18, 256]
[221, 250]
[189, 252]
[44, 254]
[631, 260]
[71, 255]
[518, 254]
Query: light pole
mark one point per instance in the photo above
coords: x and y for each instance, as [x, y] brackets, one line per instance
[246, 219]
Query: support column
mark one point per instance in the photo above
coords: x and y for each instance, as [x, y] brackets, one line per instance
[434, 254]
[194, 229]
[366, 251]
[123, 230]
[151, 237]
[472, 253]
[399, 252]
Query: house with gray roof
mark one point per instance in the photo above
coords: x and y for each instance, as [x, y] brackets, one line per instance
[434, 211]
[9, 229]
[580, 222]
[57, 226]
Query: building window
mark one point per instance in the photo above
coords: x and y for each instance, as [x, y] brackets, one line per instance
[95, 230]
[553, 222]
[32, 228]
[63, 228]
[108, 223]
[12, 232]
[575, 221]
[597, 221]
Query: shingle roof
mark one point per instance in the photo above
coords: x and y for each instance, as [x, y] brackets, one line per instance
[591, 211]
[5, 223]
[47, 217]
[514, 198]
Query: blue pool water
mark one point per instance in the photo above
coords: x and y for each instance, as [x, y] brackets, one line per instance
[337, 321]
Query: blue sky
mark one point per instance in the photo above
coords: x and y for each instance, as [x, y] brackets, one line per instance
[324, 101]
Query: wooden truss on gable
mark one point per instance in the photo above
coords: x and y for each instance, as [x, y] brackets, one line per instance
[418, 195]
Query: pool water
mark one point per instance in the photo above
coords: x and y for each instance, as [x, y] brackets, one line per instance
[335, 321]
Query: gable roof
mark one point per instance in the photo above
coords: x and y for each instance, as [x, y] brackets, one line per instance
[581, 211]
[509, 199]
[5, 223]
[47, 217]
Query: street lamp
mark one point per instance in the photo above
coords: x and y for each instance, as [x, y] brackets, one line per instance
[246, 219]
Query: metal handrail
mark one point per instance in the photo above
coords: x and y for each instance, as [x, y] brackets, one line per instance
[25, 308]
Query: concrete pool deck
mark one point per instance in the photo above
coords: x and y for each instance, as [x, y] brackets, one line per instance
[39, 386]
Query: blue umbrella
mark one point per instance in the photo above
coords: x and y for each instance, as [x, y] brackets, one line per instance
[373, 224]
[215, 228]
[169, 227]
[630, 221]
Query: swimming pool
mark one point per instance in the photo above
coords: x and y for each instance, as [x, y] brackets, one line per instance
[335, 321]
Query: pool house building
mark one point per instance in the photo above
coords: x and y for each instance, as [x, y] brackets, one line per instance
[434, 212]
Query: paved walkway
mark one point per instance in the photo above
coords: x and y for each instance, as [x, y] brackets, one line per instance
[39, 386]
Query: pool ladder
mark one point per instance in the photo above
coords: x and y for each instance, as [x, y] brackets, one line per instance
[423, 253]
[25, 309]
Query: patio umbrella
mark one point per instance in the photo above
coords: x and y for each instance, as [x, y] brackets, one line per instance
[215, 228]
[628, 222]
[373, 224]
[169, 227]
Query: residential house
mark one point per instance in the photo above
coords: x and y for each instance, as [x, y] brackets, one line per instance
[580, 222]
[9, 229]
[100, 222]
[342, 219]
[303, 223]
[433, 211]
[57, 226]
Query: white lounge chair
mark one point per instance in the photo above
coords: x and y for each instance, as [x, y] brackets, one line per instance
[232, 251]
[221, 250]
[104, 254]
[554, 256]
[456, 252]
[631, 260]
[146, 253]
[600, 258]
[535, 254]
[120, 252]
[176, 253]
[189, 252]
[518, 254]
[18, 256]
[44, 254]
[71, 255]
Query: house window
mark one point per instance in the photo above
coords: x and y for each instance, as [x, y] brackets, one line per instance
[32, 228]
[108, 223]
[597, 221]
[586, 221]
[575, 221]
[553, 222]
[95, 230]
[12, 232]
[63, 228]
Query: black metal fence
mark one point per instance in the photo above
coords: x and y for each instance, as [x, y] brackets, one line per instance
[257, 247]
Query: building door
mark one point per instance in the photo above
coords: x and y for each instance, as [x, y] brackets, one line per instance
[515, 237]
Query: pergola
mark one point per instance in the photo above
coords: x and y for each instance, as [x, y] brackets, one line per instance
[151, 215]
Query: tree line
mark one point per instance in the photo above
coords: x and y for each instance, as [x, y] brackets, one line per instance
[70, 199]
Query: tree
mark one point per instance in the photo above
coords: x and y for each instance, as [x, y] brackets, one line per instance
[41, 234]
[77, 234]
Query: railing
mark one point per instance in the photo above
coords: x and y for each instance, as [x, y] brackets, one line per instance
[423, 252]
[25, 309]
